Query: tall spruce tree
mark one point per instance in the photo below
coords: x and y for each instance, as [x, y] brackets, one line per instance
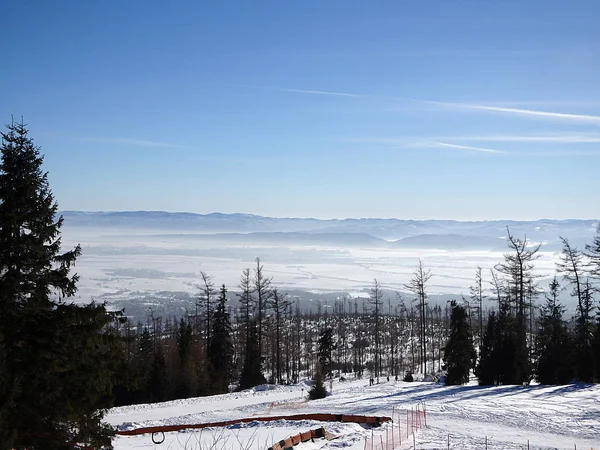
[252, 370]
[486, 367]
[498, 361]
[459, 352]
[326, 346]
[584, 335]
[553, 342]
[59, 357]
[221, 346]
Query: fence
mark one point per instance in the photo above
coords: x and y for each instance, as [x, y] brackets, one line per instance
[486, 443]
[405, 423]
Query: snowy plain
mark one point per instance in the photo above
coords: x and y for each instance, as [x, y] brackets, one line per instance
[114, 267]
[461, 417]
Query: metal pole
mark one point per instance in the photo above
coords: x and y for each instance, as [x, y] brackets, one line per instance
[486, 443]
[448, 442]
[414, 442]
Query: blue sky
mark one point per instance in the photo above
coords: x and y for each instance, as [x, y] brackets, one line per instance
[432, 109]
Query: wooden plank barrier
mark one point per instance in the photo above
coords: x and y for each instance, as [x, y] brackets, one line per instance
[368, 420]
[292, 441]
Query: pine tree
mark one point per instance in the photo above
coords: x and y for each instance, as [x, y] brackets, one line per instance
[519, 288]
[486, 368]
[553, 342]
[318, 389]
[185, 386]
[7, 394]
[62, 352]
[221, 346]
[326, 346]
[584, 334]
[498, 360]
[459, 352]
[252, 370]
[158, 382]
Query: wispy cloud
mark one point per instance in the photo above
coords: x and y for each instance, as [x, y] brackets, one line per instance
[522, 112]
[582, 118]
[547, 139]
[133, 142]
[468, 147]
[327, 93]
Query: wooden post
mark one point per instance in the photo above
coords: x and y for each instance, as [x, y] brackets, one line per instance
[486, 443]
[414, 442]
[425, 414]
[448, 441]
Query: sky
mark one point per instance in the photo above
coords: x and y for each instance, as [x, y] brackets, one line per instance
[443, 109]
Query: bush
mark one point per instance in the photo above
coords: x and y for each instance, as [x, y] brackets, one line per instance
[318, 390]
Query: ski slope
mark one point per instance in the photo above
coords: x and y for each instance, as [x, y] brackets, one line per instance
[549, 417]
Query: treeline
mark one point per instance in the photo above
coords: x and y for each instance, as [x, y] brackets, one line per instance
[267, 338]
[517, 344]
[216, 347]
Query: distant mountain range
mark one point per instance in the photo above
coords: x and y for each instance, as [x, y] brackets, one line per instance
[390, 233]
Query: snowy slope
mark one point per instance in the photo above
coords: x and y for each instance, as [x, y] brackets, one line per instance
[549, 417]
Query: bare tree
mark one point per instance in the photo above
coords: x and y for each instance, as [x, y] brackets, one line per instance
[205, 301]
[376, 299]
[520, 288]
[279, 305]
[262, 289]
[245, 299]
[571, 266]
[593, 253]
[417, 286]
[518, 270]
[477, 295]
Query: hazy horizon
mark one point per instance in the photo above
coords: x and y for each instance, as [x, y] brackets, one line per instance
[497, 219]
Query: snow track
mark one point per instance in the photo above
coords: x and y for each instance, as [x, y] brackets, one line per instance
[549, 417]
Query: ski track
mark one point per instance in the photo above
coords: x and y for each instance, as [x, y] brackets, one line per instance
[550, 417]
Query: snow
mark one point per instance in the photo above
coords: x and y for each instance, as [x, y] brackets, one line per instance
[549, 417]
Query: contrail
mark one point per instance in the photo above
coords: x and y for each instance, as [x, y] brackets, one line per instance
[468, 147]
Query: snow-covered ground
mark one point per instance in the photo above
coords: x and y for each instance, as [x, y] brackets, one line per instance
[556, 417]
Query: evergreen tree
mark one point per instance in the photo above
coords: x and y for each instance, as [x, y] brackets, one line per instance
[498, 361]
[486, 368]
[583, 336]
[221, 346]
[326, 346]
[459, 352]
[519, 288]
[61, 352]
[7, 395]
[318, 389]
[252, 370]
[553, 343]
[185, 385]
[596, 349]
[158, 382]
